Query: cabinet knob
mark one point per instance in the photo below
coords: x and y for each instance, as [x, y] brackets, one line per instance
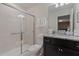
[60, 49]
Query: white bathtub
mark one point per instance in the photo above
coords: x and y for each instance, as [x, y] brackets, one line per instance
[28, 50]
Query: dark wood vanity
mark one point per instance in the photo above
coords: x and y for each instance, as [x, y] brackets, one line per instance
[60, 47]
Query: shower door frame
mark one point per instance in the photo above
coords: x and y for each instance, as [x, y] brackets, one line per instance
[34, 22]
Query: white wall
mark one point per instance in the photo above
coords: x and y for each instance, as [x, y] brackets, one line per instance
[53, 13]
[76, 23]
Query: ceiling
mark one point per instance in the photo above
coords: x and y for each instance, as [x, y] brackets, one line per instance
[31, 5]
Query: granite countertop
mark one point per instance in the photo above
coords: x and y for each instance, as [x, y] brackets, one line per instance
[75, 38]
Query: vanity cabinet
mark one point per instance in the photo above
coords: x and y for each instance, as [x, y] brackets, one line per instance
[60, 47]
[50, 50]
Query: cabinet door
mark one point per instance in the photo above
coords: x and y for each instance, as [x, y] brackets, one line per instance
[50, 50]
[70, 52]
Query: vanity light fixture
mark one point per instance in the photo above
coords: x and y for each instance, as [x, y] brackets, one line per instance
[60, 4]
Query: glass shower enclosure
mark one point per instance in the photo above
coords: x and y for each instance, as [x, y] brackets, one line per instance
[17, 30]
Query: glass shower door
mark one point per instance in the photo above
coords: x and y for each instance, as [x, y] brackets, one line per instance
[9, 31]
[28, 32]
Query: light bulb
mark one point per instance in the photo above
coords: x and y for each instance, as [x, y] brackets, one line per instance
[56, 5]
[61, 4]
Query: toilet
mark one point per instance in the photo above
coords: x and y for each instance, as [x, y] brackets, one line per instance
[36, 49]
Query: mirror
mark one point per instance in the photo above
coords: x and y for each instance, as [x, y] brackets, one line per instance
[61, 19]
[64, 23]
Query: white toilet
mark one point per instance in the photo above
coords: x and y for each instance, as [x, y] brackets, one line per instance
[36, 49]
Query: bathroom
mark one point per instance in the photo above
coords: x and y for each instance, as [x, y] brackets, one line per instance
[27, 28]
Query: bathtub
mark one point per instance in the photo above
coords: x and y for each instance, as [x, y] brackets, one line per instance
[28, 50]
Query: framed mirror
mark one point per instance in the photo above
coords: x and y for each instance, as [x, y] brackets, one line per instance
[64, 23]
